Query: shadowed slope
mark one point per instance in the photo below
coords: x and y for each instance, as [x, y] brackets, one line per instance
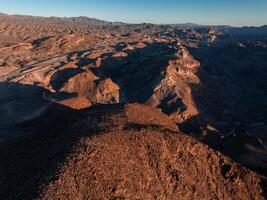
[116, 151]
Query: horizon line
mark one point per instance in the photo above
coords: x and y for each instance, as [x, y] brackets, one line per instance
[133, 23]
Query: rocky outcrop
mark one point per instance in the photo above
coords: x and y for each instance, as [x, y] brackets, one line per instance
[88, 85]
[173, 94]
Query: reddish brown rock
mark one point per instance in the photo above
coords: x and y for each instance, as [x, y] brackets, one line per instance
[76, 103]
[119, 54]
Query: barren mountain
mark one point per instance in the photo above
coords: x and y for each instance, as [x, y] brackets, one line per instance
[100, 110]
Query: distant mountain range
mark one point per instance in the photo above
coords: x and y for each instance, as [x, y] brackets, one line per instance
[94, 21]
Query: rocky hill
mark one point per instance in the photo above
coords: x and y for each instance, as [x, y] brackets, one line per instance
[104, 110]
[117, 151]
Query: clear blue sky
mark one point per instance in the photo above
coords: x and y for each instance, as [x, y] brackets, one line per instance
[230, 12]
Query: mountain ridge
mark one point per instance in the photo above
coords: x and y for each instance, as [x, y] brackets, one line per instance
[88, 19]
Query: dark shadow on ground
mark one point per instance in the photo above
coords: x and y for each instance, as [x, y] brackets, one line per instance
[232, 98]
[138, 73]
[61, 77]
[32, 158]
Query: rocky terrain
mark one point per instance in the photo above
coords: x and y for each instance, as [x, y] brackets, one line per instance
[99, 110]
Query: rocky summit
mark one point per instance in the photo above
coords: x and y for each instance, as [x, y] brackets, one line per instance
[97, 110]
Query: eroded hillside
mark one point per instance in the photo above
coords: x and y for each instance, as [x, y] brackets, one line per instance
[70, 122]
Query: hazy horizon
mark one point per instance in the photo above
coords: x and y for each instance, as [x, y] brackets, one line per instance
[238, 13]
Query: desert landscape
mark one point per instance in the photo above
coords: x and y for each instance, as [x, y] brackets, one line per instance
[92, 109]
